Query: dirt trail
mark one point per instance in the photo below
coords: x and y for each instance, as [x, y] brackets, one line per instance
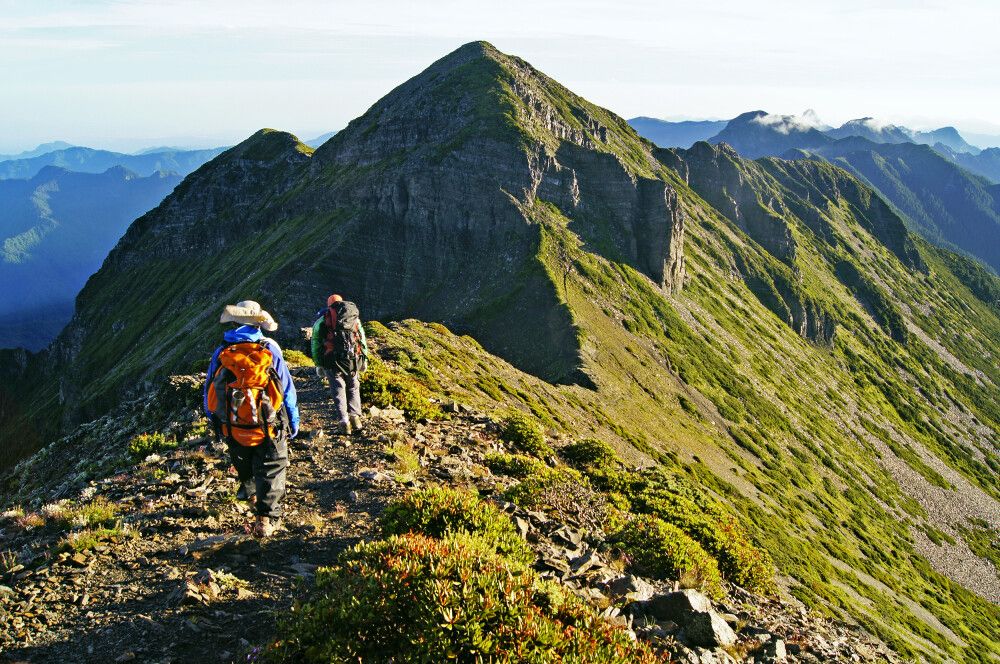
[130, 600]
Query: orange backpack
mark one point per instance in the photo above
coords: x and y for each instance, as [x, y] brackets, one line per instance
[244, 394]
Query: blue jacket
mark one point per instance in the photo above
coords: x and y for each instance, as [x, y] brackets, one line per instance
[253, 333]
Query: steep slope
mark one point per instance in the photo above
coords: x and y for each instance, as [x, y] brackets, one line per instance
[760, 134]
[56, 230]
[767, 329]
[986, 163]
[89, 160]
[945, 202]
[681, 134]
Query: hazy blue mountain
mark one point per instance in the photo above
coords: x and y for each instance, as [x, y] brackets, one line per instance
[160, 148]
[55, 230]
[760, 134]
[947, 136]
[683, 134]
[89, 160]
[40, 150]
[873, 130]
[320, 140]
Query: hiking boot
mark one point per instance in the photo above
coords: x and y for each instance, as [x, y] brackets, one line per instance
[356, 424]
[245, 492]
[265, 526]
[344, 428]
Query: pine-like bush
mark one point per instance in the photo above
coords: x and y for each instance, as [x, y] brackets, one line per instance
[413, 598]
[438, 511]
[663, 551]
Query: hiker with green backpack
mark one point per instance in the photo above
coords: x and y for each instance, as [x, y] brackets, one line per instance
[340, 351]
[250, 399]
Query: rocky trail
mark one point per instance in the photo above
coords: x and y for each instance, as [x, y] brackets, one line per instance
[187, 583]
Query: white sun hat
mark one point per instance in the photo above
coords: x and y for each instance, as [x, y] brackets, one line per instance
[248, 312]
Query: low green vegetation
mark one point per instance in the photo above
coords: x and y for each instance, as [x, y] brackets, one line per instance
[405, 460]
[514, 465]
[525, 433]
[385, 388]
[296, 358]
[677, 502]
[438, 511]
[661, 550]
[91, 538]
[590, 452]
[150, 443]
[563, 493]
[413, 598]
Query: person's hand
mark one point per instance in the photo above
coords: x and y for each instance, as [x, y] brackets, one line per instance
[295, 430]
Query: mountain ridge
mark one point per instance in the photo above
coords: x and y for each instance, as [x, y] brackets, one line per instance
[769, 329]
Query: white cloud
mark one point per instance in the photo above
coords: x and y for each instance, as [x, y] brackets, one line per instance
[791, 124]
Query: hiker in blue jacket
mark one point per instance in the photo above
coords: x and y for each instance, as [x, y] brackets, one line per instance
[260, 464]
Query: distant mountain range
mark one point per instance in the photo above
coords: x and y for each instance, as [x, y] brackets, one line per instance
[55, 231]
[90, 160]
[320, 140]
[685, 133]
[40, 150]
[943, 201]
[946, 187]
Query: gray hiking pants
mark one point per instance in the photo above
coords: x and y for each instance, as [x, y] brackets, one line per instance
[346, 389]
[261, 472]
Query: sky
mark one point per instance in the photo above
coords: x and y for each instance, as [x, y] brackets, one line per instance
[129, 74]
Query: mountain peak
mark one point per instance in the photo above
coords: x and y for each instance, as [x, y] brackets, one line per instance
[267, 145]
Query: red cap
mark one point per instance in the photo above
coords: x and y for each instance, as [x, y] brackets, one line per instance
[333, 298]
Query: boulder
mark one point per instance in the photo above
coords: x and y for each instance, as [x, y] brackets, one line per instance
[678, 605]
[707, 629]
[773, 651]
[630, 587]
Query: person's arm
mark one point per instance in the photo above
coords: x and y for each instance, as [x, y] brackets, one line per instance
[287, 386]
[213, 365]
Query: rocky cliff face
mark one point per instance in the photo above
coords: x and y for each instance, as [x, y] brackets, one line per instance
[738, 189]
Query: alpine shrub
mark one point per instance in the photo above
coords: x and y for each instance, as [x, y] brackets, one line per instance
[525, 433]
[384, 388]
[663, 551]
[438, 512]
[97, 512]
[562, 492]
[589, 452]
[739, 559]
[514, 465]
[296, 358]
[412, 598]
[147, 443]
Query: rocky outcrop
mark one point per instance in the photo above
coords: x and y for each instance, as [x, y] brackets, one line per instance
[739, 191]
